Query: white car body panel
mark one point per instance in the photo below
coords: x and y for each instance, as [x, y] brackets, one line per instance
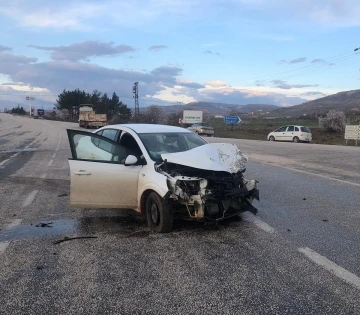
[224, 157]
[107, 185]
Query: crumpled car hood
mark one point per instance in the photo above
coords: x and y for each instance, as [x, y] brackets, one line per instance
[212, 156]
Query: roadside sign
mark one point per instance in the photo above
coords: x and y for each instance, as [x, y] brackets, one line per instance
[231, 119]
[30, 98]
[192, 116]
[352, 132]
[180, 120]
[41, 112]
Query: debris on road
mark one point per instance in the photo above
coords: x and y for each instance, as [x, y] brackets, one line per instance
[41, 224]
[289, 230]
[65, 239]
[304, 198]
[39, 267]
[62, 195]
[325, 220]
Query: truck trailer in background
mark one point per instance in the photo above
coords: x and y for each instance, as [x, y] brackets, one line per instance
[38, 113]
[89, 119]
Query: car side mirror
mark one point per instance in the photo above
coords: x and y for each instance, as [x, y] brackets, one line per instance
[131, 160]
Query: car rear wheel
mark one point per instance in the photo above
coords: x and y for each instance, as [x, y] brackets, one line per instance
[158, 214]
[271, 138]
[296, 139]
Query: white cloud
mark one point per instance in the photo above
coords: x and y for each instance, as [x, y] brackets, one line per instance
[83, 50]
[217, 84]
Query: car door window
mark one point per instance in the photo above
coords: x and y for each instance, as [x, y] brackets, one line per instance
[92, 147]
[290, 129]
[296, 129]
[128, 141]
[281, 129]
[110, 133]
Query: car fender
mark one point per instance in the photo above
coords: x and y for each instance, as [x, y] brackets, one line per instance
[152, 181]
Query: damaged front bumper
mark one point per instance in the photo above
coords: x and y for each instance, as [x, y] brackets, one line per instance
[216, 197]
[212, 187]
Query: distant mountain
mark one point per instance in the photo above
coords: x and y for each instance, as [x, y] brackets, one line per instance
[258, 107]
[344, 101]
[216, 108]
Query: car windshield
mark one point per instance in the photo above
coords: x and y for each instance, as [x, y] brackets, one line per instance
[170, 142]
[205, 125]
[305, 129]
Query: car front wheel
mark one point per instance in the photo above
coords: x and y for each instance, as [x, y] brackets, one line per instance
[158, 214]
[271, 138]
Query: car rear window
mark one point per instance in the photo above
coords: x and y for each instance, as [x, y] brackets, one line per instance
[305, 129]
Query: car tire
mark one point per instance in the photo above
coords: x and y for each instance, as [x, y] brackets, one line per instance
[271, 138]
[296, 139]
[158, 214]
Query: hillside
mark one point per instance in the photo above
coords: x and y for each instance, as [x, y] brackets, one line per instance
[216, 108]
[344, 101]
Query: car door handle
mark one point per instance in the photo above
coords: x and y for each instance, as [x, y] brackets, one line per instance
[82, 172]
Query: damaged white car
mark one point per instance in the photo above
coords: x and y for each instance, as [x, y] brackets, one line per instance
[163, 172]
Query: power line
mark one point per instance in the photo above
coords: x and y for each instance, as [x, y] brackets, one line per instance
[339, 59]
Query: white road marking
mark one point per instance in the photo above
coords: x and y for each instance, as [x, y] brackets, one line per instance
[15, 155]
[310, 173]
[327, 264]
[18, 151]
[53, 156]
[3, 246]
[43, 176]
[30, 198]
[3, 162]
[58, 144]
[14, 223]
[50, 162]
[260, 224]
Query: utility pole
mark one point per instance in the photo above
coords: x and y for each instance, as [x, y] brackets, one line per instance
[136, 97]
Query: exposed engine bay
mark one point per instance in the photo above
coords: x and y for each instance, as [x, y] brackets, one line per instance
[205, 193]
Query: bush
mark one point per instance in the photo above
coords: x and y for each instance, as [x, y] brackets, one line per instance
[334, 121]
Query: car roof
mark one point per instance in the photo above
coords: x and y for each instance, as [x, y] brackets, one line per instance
[291, 126]
[149, 128]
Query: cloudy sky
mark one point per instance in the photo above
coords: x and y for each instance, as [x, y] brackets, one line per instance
[232, 51]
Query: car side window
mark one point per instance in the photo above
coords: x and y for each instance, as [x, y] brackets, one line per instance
[110, 133]
[83, 148]
[290, 128]
[95, 141]
[281, 129]
[128, 142]
[296, 128]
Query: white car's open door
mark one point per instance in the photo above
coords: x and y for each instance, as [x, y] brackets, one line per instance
[99, 176]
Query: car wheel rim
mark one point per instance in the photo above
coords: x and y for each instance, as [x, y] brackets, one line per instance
[154, 212]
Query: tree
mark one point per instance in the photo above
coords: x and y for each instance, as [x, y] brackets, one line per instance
[173, 118]
[334, 121]
[63, 114]
[68, 99]
[154, 115]
[102, 104]
[18, 110]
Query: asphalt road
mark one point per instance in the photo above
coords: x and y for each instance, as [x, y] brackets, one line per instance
[300, 255]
